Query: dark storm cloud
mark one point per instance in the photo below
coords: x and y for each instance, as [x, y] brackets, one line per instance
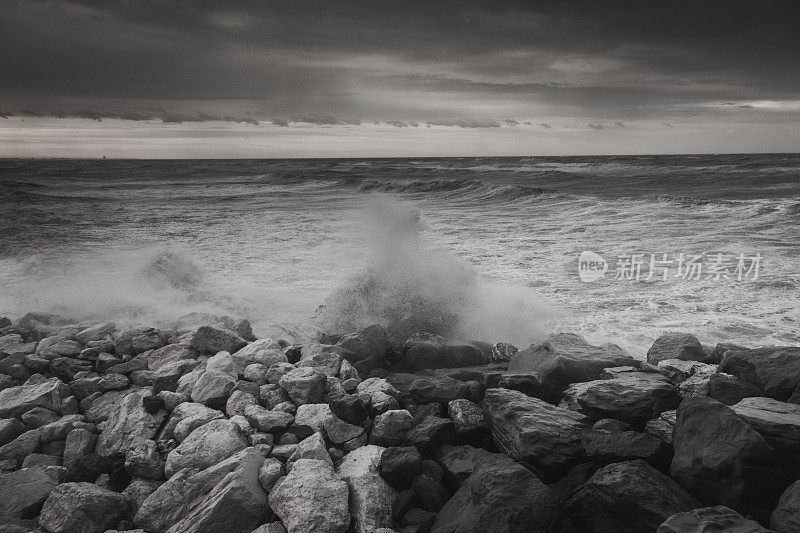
[368, 59]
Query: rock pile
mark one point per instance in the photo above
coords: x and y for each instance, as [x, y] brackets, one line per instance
[208, 429]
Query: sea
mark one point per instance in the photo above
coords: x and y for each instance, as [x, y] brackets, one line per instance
[617, 249]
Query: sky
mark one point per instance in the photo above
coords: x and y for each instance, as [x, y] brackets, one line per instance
[182, 78]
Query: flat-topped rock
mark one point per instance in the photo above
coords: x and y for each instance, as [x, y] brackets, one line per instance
[775, 370]
[778, 422]
[49, 394]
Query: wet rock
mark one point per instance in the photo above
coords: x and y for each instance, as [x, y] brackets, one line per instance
[216, 338]
[339, 432]
[778, 422]
[311, 499]
[434, 353]
[430, 493]
[722, 460]
[138, 340]
[662, 427]
[707, 519]
[530, 384]
[501, 496]
[676, 345]
[169, 354]
[82, 508]
[775, 370]
[677, 370]
[627, 497]
[531, 430]
[25, 491]
[206, 446]
[371, 497]
[431, 430]
[609, 424]
[606, 447]
[49, 394]
[129, 424]
[567, 358]
[348, 407]
[304, 385]
[786, 516]
[730, 390]
[370, 342]
[426, 389]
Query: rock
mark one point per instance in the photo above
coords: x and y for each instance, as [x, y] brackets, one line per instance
[775, 370]
[709, 519]
[128, 425]
[370, 342]
[458, 463]
[304, 385]
[238, 402]
[677, 370]
[267, 421]
[501, 496]
[609, 424]
[371, 497]
[270, 471]
[722, 460]
[349, 408]
[662, 427]
[729, 389]
[779, 424]
[79, 442]
[186, 417]
[431, 430]
[675, 345]
[434, 353]
[58, 346]
[217, 338]
[256, 373]
[276, 371]
[144, 460]
[138, 340]
[430, 493]
[627, 497]
[399, 466]
[49, 394]
[531, 430]
[38, 416]
[311, 499]
[467, 416]
[22, 493]
[10, 429]
[786, 516]
[206, 446]
[14, 344]
[426, 389]
[262, 351]
[606, 447]
[87, 386]
[214, 385]
[237, 504]
[82, 508]
[312, 415]
[328, 363]
[389, 427]
[339, 432]
[633, 398]
[312, 447]
[96, 332]
[531, 384]
[138, 491]
[567, 358]
[169, 354]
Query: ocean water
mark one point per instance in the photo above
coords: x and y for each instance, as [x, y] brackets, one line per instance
[485, 248]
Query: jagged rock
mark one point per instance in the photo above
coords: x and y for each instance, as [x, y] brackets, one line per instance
[467, 416]
[87, 386]
[14, 344]
[256, 373]
[311, 499]
[186, 417]
[775, 370]
[400, 465]
[370, 386]
[435, 353]
[144, 460]
[370, 342]
[633, 398]
[238, 402]
[431, 429]
[312, 415]
[347, 371]
[371, 497]
[531, 430]
[426, 389]
[96, 332]
[271, 395]
[607, 447]
[662, 427]
[328, 363]
[567, 358]
[609, 424]
[430, 493]
[501, 496]
[262, 351]
[339, 432]
[778, 422]
[348, 407]
[79, 442]
[389, 427]
[722, 460]
[786, 516]
[82, 508]
[138, 491]
[217, 338]
[66, 368]
[38, 417]
[214, 385]
[312, 447]
[458, 463]
[24, 492]
[237, 504]
[627, 497]
[276, 371]
[206, 446]
[729, 389]
[271, 470]
[267, 421]
[530, 384]
[708, 519]
[10, 429]
[304, 385]
[129, 424]
[138, 340]
[678, 370]
[675, 345]
[169, 354]
[48, 394]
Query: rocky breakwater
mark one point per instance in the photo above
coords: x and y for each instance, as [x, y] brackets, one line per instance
[201, 427]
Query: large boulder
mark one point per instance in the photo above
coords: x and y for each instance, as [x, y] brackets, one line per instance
[129, 424]
[710, 519]
[676, 345]
[778, 422]
[627, 497]
[567, 358]
[786, 516]
[501, 496]
[216, 338]
[206, 446]
[49, 394]
[237, 504]
[722, 460]
[634, 397]
[311, 499]
[534, 431]
[775, 370]
[370, 343]
[23, 492]
[215, 384]
[428, 389]
[304, 385]
[371, 497]
[433, 352]
[82, 508]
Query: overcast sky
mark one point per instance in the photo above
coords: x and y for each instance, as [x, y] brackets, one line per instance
[293, 78]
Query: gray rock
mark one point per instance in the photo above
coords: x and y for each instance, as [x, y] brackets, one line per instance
[338, 431]
[206, 446]
[311, 499]
[389, 428]
[678, 370]
[96, 332]
[370, 342]
[138, 491]
[187, 417]
[304, 385]
[22, 493]
[138, 340]
[312, 447]
[267, 421]
[169, 354]
[608, 447]
[21, 447]
[328, 363]
[786, 516]
[38, 416]
[662, 427]
[627, 497]
[216, 338]
[730, 390]
[467, 416]
[79, 442]
[504, 497]
[778, 422]
[129, 424]
[10, 429]
[271, 470]
[82, 508]
[14, 344]
[144, 460]
[48, 394]
[312, 415]
[371, 497]
[427, 389]
[531, 430]
[675, 345]
[459, 462]
[775, 370]
[217, 382]
[708, 519]
[238, 402]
